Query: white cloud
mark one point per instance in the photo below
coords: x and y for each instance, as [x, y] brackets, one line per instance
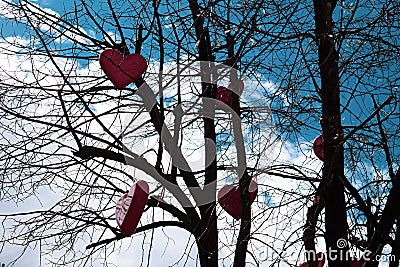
[45, 19]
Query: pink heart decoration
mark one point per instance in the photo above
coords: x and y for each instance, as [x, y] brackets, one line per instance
[241, 87]
[318, 147]
[229, 198]
[320, 258]
[130, 207]
[122, 70]
[224, 94]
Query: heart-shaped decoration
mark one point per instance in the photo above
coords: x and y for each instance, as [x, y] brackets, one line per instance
[318, 147]
[122, 70]
[320, 258]
[130, 207]
[224, 94]
[229, 198]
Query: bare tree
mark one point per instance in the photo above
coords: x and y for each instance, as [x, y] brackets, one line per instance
[310, 68]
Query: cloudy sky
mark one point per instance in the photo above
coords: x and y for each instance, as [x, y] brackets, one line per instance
[165, 246]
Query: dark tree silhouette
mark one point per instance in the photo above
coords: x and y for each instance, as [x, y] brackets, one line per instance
[309, 68]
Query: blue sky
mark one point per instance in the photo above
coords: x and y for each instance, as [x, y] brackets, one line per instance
[359, 108]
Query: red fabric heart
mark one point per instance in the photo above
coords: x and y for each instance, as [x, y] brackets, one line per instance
[318, 147]
[122, 70]
[130, 207]
[320, 258]
[229, 198]
[241, 87]
[224, 94]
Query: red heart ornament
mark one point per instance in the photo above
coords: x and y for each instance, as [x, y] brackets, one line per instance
[224, 94]
[122, 70]
[320, 258]
[318, 147]
[229, 198]
[241, 87]
[130, 207]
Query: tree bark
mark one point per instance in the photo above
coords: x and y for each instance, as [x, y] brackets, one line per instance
[206, 231]
[244, 181]
[335, 207]
[309, 233]
[245, 223]
[206, 235]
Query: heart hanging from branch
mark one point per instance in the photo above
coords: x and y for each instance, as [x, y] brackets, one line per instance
[229, 198]
[318, 147]
[320, 259]
[224, 94]
[130, 207]
[122, 70]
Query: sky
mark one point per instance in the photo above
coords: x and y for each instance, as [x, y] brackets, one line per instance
[171, 246]
[179, 248]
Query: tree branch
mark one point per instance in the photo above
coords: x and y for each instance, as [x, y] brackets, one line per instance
[389, 214]
[181, 216]
[138, 230]
[87, 152]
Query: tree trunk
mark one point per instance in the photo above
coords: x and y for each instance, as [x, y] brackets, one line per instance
[245, 224]
[309, 234]
[335, 206]
[207, 238]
